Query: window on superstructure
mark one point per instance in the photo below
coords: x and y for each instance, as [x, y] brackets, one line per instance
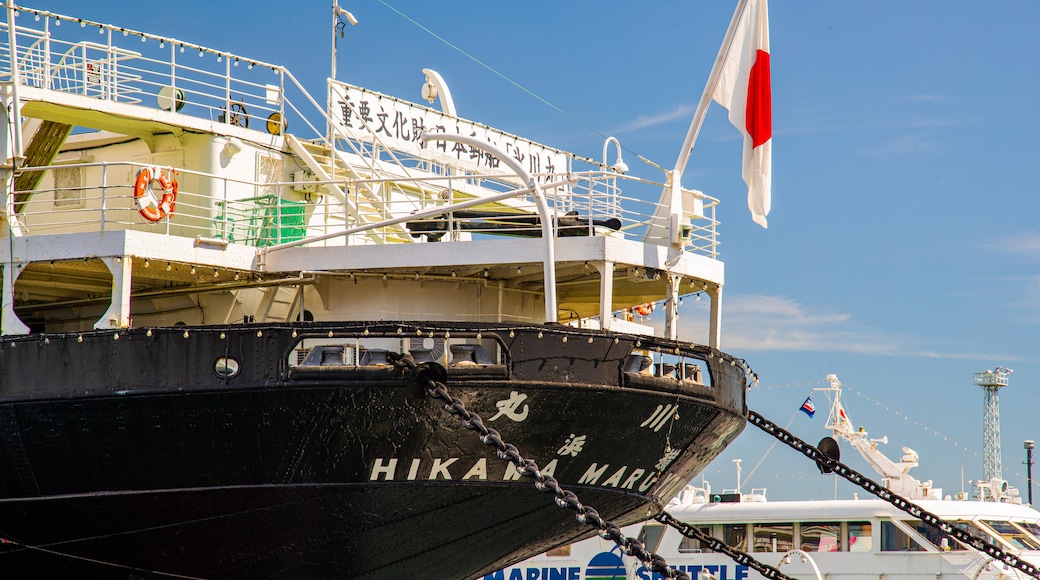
[893, 539]
[68, 187]
[735, 536]
[859, 537]
[693, 546]
[1030, 528]
[821, 537]
[651, 535]
[1015, 536]
[977, 531]
[938, 539]
[774, 537]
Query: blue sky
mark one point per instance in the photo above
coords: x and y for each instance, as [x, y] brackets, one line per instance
[903, 245]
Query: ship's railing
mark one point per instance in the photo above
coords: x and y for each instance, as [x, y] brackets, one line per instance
[101, 61]
[93, 59]
[99, 196]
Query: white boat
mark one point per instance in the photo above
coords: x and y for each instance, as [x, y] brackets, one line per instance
[849, 539]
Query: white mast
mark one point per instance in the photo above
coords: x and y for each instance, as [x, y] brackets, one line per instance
[895, 476]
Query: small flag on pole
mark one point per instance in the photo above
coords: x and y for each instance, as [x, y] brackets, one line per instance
[808, 407]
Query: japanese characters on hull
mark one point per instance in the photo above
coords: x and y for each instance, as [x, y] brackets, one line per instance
[603, 469]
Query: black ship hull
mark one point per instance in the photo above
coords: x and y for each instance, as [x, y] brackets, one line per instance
[211, 452]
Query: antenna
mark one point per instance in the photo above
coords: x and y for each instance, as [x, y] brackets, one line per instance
[1028, 443]
[991, 382]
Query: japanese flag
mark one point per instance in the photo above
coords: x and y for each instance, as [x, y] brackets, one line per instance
[743, 88]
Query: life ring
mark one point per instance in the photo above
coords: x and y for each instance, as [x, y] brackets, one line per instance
[644, 309]
[154, 209]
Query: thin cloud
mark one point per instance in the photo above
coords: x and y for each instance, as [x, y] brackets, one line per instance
[776, 323]
[643, 121]
[925, 97]
[1028, 244]
[779, 323]
[919, 123]
[905, 145]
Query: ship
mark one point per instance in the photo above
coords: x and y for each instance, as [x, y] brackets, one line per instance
[247, 332]
[841, 539]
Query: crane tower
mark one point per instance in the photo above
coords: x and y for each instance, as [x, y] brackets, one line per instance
[991, 382]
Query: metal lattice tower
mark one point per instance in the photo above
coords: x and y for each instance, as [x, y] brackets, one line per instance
[991, 382]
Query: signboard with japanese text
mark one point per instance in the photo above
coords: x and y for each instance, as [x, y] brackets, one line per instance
[360, 114]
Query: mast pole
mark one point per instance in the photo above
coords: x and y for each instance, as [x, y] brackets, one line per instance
[709, 88]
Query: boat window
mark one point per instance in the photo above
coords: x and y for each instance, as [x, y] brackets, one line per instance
[977, 531]
[859, 537]
[774, 537]
[683, 368]
[651, 535]
[821, 537]
[1015, 536]
[692, 546]
[894, 539]
[735, 536]
[560, 552]
[938, 539]
[1030, 527]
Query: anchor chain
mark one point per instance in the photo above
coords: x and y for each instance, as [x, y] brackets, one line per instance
[886, 494]
[428, 373]
[718, 545]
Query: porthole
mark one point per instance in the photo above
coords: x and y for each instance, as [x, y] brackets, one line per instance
[226, 367]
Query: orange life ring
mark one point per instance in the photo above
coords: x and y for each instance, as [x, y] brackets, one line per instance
[644, 309]
[154, 209]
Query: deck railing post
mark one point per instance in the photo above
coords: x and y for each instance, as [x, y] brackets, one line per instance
[104, 192]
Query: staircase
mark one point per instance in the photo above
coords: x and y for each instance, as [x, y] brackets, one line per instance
[279, 304]
[46, 140]
[369, 204]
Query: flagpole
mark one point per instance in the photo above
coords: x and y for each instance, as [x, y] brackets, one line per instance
[671, 197]
[709, 88]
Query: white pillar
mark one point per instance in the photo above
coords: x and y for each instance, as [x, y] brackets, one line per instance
[606, 293]
[118, 313]
[9, 321]
[715, 322]
[671, 308]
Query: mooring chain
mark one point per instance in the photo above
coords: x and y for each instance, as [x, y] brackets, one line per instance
[886, 494]
[718, 545]
[428, 375]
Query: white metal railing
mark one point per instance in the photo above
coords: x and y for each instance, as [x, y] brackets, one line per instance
[98, 197]
[59, 53]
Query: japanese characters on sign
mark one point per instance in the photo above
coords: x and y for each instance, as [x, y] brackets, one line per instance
[359, 114]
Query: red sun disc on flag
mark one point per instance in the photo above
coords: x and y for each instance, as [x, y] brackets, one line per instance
[759, 118]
